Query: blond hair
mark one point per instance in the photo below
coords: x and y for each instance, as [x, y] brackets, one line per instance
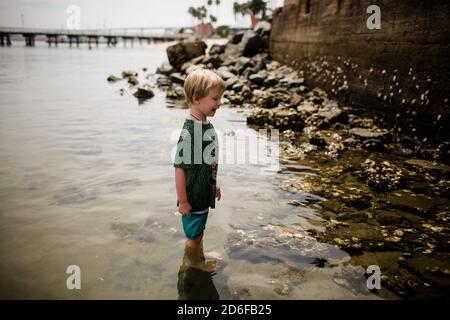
[199, 82]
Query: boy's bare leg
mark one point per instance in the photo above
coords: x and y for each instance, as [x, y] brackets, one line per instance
[196, 243]
[194, 250]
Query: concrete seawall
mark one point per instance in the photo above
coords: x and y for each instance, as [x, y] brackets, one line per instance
[398, 73]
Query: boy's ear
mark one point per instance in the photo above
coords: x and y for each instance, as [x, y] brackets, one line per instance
[194, 99]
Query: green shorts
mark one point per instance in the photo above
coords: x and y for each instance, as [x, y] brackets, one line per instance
[194, 225]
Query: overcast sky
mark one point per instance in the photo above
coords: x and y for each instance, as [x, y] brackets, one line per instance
[96, 14]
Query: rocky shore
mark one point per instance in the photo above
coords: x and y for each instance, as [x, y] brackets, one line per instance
[383, 197]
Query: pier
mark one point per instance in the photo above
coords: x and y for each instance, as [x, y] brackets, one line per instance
[91, 37]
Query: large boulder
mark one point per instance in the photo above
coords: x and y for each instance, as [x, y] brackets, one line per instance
[252, 43]
[262, 28]
[185, 51]
[236, 38]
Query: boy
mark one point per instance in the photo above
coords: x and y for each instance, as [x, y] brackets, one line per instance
[196, 159]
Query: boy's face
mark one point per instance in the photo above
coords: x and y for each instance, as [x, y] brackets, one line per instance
[209, 104]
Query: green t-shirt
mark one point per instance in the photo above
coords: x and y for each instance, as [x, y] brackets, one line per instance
[197, 154]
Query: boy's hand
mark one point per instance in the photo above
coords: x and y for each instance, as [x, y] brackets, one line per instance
[184, 208]
[218, 193]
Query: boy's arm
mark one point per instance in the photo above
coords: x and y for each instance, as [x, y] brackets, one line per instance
[218, 192]
[180, 184]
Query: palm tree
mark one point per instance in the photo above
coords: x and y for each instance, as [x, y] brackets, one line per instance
[239, 9]
[217, 3]
[210, 2]
[252, 8]
[257, 6]
[199, 13]
[203, 12]
[193, 12]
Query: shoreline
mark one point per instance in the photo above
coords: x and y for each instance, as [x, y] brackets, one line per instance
[386, 202]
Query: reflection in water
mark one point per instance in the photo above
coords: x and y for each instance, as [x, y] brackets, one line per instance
[195, 276]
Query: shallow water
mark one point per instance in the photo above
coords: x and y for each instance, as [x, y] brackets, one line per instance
[87, 180]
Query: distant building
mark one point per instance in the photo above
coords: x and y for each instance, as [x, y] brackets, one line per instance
[204, 29]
